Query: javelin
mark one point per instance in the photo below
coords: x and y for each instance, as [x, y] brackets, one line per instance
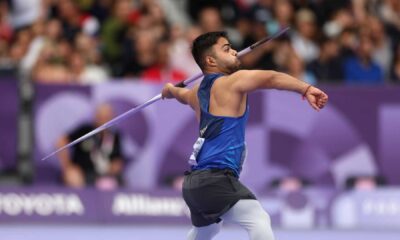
[158, 97]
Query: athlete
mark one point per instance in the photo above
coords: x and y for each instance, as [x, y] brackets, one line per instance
[211, 188]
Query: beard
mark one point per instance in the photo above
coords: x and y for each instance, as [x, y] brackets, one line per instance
[235, 66]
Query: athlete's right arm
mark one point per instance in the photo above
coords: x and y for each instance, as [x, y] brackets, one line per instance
[183, 95]
[245, 81]
[180, 94]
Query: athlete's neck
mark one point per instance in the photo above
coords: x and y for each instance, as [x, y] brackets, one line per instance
[216, 71]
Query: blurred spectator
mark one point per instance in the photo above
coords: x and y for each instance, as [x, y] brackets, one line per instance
[328, 67]
[155, 22]
[325, 10]
[100, 9]
[24, 13]
[44, 34]
[360, 10]
[365, 182]
[262, 10]
[161, 70]
[17, 49]
[51, 66]
[341, 19]
[114, 33]
[74, 20]
[97, 161]
[254, 28]
[382, 50]
[141, 39]
[180, 55]
[89, 48]
[395, 70]
[348, 41]
[8, 65]
[210, 20]
[228, 9]
[282, 51]
[304, 38]
[295, 67]
[86, 73]
[361, 69]
[143, 49]
[283, 16]
[389, 13]
[289, 184]
[6, 31]
[263, 58]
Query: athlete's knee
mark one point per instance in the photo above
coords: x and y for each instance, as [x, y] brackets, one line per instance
[204, 233]
[261, 227]
[192, 234]
[264, 218]
[262, 234]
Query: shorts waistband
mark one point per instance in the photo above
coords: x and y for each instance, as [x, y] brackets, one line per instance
[225, 171]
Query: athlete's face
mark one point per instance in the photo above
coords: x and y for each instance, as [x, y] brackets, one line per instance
[225, 57]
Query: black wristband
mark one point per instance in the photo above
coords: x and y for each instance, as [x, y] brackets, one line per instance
[180, 85]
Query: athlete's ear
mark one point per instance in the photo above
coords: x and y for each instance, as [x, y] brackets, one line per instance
[210, 61]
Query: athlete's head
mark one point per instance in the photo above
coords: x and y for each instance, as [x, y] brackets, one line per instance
[212, 52]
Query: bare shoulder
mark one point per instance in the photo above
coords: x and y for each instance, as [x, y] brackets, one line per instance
[245, 81]
[223, 90]
[240, 74]
[228, 82]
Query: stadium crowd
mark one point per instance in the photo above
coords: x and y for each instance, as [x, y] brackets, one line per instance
[93, 41]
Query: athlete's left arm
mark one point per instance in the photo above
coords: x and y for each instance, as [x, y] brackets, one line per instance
[245, 81]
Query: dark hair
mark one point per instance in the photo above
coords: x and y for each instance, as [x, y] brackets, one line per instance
[203, 43]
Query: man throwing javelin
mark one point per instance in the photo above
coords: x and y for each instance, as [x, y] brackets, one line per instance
[212, 189]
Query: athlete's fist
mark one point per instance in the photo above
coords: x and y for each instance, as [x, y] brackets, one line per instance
[166, 92]
[316, 98]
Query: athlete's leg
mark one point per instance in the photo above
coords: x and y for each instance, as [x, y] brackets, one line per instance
[204, 233]
[249, 214]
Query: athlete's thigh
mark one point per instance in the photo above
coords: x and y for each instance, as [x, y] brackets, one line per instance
[246, 211]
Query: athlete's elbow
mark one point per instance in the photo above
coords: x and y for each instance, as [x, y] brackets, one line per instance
[182, 101]
[278, 79]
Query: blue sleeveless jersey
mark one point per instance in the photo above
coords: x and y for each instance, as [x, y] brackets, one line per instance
[224, 137]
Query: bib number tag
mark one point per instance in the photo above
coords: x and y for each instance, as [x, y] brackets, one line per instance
[196, 149]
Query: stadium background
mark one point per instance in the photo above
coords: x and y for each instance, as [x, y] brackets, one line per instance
[326, 175]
